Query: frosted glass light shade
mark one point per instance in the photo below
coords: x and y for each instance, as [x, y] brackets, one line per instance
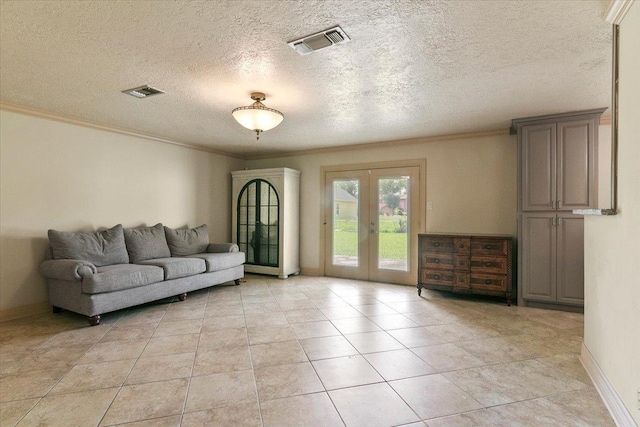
[257, 117]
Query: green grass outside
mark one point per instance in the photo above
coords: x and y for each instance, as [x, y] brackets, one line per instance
[392, 245]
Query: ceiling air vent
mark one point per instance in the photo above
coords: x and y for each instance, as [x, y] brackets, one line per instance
[326, 38]
[142, 91]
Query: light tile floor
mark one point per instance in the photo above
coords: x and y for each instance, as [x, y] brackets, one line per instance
[305, 351]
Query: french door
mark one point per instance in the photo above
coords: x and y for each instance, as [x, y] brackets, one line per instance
[371, 224]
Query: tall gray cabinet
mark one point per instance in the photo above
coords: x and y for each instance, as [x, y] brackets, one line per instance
[557, 173]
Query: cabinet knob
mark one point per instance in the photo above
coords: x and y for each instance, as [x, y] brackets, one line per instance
[461, 246]
[488, 246]
[461, 280]
[487, 264]
[437, 261]
[436, 244]
[487, 282]
[436, 276]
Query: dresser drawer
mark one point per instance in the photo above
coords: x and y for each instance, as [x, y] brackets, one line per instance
[461, 262]
[489, 264]
[437, 261]
[438, 278]
[461, 282]
[462, 245]
[436, 244]
[488, 282]
[481, 246]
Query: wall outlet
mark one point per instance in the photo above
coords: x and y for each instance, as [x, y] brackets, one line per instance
[429, 206]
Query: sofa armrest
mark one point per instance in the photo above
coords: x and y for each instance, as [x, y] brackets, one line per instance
[222, 247]
[67, 269]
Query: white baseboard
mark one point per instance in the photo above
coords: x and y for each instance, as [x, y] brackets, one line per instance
[310, 271]
[612, 401]
[24, 311]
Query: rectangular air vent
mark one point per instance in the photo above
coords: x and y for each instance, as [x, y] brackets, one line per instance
[313, 42]
[142, 91]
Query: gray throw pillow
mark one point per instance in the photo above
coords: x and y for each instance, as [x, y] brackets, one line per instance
[145, 243]
[100, 248]
[188, 241]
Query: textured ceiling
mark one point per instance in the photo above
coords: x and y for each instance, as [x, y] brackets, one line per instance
[413, 68]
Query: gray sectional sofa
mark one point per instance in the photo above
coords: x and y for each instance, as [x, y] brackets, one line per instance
[95, 273]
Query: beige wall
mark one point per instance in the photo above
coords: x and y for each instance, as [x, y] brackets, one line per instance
[68, 177]
[612, 244]
[471, 183]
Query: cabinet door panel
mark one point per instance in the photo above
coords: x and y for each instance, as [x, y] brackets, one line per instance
[538, 257]
[570, 244]
[538, 164]
[577, 186]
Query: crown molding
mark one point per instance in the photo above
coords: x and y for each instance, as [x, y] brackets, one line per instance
[78, 122]
[439, 138]
[383, 144]
[617, 10]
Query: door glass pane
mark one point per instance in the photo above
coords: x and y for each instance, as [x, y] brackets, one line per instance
[393, 220]
[345, 222]
[257, 232]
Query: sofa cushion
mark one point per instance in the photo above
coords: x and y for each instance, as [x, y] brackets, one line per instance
[100, 248]
[187, 241]
[146, 243]
[121, 276]
[174, 268]
[221, 261]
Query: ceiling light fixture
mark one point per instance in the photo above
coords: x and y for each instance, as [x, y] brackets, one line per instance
[257, 117]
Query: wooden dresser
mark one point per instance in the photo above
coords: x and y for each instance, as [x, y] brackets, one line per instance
[466, 263]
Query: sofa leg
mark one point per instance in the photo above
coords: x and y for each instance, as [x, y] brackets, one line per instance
[94, 320]
[237, 282]
[182, 297]
[57, 309]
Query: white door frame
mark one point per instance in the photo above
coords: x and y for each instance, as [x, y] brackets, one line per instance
[421, 211]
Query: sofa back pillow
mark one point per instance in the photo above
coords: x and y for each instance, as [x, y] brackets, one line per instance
[145, 243]
[99, 248]
[187, 241]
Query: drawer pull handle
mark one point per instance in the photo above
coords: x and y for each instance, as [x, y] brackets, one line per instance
[437, 261]
[436, 244]
[487, 282]
[487, 264]
[436, 277]
[487, 246]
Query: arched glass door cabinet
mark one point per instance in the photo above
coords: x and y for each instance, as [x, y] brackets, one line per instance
[266, 219]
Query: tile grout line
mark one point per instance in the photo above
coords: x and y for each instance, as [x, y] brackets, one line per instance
[255, 382]
[137, 359]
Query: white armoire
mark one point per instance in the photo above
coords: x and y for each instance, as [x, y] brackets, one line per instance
[266, 220]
